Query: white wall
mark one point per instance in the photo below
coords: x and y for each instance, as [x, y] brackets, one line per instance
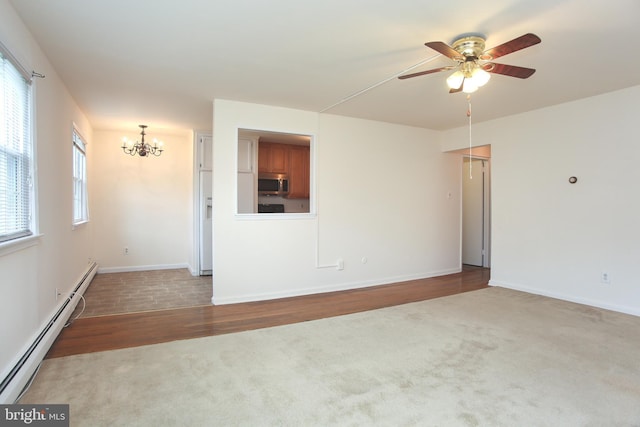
[144, 204]
[29, 277]
[381, 194]
[554, 238]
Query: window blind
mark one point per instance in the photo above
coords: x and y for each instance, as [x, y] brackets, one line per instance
[15, 152]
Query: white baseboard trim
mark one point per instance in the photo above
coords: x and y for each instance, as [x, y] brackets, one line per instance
[29, 358]
[571, 298]
[323, 289]
[130, 268]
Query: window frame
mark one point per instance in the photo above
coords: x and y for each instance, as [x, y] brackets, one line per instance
[18, 238]
[254, 134]
[79, 153]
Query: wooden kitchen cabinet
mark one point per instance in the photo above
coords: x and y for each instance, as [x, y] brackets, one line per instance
[289, 159]
[298, 172]
[273, 157]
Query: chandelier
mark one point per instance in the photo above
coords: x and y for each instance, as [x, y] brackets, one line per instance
[143, 149]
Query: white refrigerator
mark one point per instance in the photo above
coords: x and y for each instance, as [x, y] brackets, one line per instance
[206, 223]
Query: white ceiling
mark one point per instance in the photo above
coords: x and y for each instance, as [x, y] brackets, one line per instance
[162, 62]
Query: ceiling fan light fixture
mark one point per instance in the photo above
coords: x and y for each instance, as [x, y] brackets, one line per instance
[454, 81]
[469, 86]
[480, 77]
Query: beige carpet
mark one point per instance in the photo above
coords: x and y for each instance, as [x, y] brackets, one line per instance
[492, 357]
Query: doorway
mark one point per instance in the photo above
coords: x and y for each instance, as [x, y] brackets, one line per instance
[476, 212]
[203, 208]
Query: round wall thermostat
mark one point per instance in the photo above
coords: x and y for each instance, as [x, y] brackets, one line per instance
[573, 180]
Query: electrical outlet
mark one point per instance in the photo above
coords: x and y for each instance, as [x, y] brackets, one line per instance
[126, 250]
[605, 278]
[58, 293]
[340, 265]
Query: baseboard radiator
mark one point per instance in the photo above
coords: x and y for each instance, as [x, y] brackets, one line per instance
[26, 366]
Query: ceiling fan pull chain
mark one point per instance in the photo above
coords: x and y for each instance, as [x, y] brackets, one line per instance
[469, 116]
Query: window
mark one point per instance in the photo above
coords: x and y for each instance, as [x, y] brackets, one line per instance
[16, 151]
[80, 209]
[274, 172]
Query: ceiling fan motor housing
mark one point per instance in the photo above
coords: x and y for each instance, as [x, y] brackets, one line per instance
[469, 47]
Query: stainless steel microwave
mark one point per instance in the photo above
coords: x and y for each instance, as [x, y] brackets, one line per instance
[273, 184]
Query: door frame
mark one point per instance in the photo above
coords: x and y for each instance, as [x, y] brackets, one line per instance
[198, 166]
[486, 204]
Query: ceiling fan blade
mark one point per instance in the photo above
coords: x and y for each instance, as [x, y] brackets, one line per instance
[458, 89]
[514, 45]
[445, 49]
[509, 70]
[422, 73]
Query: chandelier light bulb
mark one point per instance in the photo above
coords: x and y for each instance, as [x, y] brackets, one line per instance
[128, 143]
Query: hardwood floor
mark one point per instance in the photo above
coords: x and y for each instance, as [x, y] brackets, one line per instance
[138, 291]
[87, 335]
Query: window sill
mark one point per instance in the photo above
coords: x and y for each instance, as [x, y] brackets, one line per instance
[277, 216]
[78, 224]
[19, 244]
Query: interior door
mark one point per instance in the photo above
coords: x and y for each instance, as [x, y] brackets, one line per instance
[473, 220]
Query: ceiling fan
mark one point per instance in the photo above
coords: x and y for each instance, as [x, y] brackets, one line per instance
[474, 64]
